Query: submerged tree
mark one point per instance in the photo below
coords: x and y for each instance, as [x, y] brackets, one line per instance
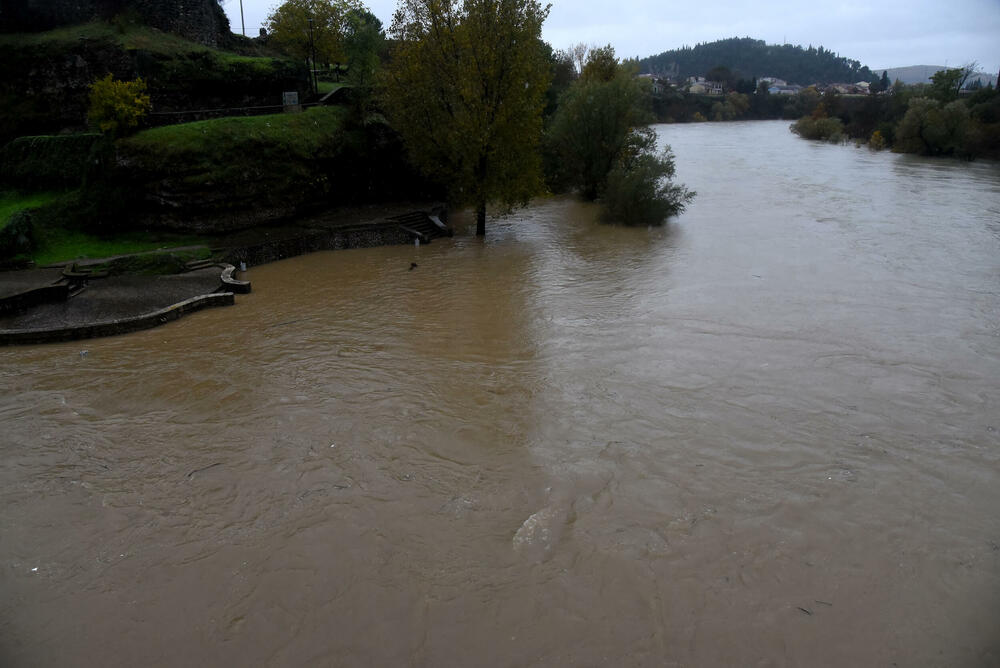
[596, 145]
[590, 130]
[639, 189]
[466, 89]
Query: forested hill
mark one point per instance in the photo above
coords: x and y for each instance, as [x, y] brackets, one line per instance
[748, 58]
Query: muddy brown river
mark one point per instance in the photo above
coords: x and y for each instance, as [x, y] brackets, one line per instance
[765, 435]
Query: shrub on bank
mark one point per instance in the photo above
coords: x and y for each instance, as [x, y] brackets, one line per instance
[877, 142]
[117, 107]
[826, 128]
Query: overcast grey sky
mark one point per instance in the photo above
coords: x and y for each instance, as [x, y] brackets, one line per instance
[879, 33]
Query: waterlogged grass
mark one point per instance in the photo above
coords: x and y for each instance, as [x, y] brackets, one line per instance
[11, 203]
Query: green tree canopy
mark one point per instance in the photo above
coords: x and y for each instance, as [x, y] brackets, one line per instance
[931, 128]
[601, 64]
[722, 74]
[590, 131]
[465, 88]
[595, 145]
[289, 28]
[363, 42]
[946, 84]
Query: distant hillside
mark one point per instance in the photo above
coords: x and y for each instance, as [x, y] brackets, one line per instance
[915, 74]
[750, 58]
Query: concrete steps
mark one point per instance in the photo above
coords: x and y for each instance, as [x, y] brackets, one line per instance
[422, 225]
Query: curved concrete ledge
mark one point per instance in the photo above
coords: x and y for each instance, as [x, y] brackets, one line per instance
[113, 327]
[233, 284]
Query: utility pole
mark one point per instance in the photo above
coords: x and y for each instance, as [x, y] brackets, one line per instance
[312, 48]
[242, 22]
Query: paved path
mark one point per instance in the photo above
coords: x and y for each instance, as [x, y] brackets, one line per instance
[114, 298]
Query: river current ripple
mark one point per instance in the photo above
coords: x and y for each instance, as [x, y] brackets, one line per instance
[767, 434]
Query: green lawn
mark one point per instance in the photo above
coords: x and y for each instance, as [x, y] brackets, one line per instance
[62, 245]
[219, 147]
[329, 86]
[55, 244]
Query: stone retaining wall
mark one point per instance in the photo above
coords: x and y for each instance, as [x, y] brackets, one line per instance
[367, 236]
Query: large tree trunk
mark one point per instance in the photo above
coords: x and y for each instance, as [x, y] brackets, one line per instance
[481, 219]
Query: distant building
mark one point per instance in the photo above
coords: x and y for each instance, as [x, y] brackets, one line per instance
[700, 86]
[783, 89]
[658, 84]
[848, 89]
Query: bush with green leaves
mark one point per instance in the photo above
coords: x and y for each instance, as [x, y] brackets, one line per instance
[639, 190]
[826, 128]
[116, 107]
[932, 128]
[597, 144]
[589, 132]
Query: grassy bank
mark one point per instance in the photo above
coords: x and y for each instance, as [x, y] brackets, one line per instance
[232, 173]
[61, 245]
[52, 241]
[219, 143]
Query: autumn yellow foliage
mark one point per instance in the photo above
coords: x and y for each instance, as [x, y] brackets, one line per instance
[118, 106]
[877, 141]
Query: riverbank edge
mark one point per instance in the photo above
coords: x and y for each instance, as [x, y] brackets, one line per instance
[385, 232]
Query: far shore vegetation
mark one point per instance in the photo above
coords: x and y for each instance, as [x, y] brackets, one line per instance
[941, 118]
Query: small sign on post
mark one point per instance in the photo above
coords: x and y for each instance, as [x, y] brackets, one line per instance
[290, 100]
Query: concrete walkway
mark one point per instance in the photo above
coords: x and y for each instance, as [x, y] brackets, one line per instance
[113, 298]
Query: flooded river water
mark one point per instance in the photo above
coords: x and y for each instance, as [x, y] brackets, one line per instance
[765, 435]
